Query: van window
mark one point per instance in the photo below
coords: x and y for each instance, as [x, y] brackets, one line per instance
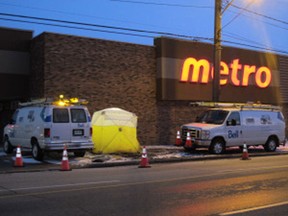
[233, 119]
[250, 121]
[78, 115]
[60, 115]
[14, 117]
[280, 116]
[212, 116]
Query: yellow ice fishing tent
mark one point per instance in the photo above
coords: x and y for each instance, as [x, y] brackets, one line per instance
[114, 131]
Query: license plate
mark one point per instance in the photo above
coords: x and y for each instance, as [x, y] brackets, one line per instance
[78, 132]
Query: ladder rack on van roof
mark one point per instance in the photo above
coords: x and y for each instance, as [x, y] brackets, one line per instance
[248, 105]
[50, 101]
[37, 102]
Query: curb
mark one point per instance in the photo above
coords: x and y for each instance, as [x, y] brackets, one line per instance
[176, 160]
[135, 162]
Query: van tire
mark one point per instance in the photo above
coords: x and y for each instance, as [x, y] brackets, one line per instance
[271, 144]
[217, 146]
[8, 148]
[37, 152]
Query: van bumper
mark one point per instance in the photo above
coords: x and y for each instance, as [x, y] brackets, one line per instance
[69, 146]
[203, 143]
[199, 143]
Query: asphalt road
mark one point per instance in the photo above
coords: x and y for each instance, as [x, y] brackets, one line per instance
[213, 187]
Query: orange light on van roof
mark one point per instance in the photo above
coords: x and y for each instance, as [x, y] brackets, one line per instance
[74, 100]
[61, 103]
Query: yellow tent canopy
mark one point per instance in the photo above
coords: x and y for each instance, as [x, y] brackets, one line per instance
[114, 131]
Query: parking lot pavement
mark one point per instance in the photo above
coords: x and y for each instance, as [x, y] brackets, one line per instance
[156, 154]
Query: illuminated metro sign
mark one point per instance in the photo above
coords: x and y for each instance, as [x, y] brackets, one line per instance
[238, 74]
[185, 72]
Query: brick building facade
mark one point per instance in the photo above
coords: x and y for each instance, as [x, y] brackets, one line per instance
[107, 74]
[113, 74]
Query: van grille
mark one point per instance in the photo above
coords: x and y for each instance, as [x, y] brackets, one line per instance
[194, 133]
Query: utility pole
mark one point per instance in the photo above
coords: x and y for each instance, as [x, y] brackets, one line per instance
[217, 51]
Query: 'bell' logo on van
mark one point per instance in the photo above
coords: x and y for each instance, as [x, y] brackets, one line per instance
[238, 74]
[232, 135]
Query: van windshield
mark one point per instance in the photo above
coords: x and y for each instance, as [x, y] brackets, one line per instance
[212, 117]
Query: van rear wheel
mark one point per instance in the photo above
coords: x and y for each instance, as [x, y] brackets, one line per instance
[271, 144]
[37, 152]
[8, 148]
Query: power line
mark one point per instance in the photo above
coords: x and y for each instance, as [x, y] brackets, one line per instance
[257, 47]
[105, 26]
[76, 14]
[261, 20]
[74, 27]
[98, 26]
[119, 30]
[236, 16]
[258, 14]
[161, 4]
[262, 46]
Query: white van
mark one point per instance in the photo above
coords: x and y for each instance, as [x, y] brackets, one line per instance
[233, 125]
[43, 126]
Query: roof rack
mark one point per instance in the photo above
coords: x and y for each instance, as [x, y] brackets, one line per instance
[248, 105]
[59, 102]
[37, 102]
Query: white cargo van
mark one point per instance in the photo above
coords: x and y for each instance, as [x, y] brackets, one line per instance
[48, 126]
[228, 125]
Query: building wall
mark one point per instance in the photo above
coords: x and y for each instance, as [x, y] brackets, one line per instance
[14, 63]
[107, 74]
[14, 71]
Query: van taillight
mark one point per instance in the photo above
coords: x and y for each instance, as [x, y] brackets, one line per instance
[91, 131]
[46, 132]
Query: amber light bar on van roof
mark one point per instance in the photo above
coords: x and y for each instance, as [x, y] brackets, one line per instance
[61, 101]
[248, 105]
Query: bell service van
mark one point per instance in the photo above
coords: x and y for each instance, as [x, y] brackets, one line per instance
[228, 125]
[47, 126]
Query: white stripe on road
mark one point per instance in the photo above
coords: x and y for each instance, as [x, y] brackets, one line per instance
[57, 186]
[254, 209]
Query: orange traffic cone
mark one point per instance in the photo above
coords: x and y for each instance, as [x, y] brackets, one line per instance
[144, 159]
[178, 139]
[188, 143]
[18, 160]
[245, 155]
[65, 163]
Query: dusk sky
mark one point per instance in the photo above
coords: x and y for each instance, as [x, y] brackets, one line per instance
[254, 24]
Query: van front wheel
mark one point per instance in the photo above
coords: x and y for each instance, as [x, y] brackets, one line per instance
[217, 146]
[37, 153]
[271, 144]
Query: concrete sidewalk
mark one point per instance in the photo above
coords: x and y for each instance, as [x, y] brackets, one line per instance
[156, 154]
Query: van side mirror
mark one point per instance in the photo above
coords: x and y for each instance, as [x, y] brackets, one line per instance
[11, 121]
[231, 123]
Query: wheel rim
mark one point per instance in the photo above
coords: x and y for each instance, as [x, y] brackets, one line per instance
[218, 148]
[6, 145]
[35, 151]
[272, 145]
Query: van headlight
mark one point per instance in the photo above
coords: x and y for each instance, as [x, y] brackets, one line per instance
[205, 134]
